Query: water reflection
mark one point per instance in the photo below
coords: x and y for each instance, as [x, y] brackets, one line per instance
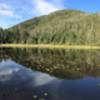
[20, 83]
[16, 80]
[66, 64]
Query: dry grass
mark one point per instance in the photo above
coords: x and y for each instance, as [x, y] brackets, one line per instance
[51, 46]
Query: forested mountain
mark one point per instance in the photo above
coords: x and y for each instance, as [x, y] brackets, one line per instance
[60, 27]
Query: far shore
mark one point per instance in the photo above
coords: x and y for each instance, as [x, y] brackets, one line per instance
[51, 46]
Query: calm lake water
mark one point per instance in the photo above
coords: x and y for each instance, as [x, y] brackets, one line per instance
[44, 74]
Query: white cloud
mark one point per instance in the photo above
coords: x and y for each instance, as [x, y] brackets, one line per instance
[6, 13]
[6, 10]
[43, 7]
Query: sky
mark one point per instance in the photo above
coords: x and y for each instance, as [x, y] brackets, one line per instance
[13, 12]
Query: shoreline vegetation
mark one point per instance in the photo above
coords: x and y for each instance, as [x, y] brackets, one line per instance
[51, 46]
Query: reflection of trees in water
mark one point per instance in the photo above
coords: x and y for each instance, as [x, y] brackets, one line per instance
[61, 63]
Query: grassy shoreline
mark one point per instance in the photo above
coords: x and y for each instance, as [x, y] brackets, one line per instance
[51, 46]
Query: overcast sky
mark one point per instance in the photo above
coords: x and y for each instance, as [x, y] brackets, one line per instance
[15, 11]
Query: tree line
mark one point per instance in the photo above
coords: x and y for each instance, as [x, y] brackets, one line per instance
[16, 36]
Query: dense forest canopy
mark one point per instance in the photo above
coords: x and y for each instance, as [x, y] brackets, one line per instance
[60, 27]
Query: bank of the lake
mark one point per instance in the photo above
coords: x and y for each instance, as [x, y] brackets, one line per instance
[50, 46]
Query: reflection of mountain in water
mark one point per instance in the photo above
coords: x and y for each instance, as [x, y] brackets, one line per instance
[69, 64]
[20, 83]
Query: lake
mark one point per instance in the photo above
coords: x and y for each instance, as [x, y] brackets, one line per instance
[49, 74]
